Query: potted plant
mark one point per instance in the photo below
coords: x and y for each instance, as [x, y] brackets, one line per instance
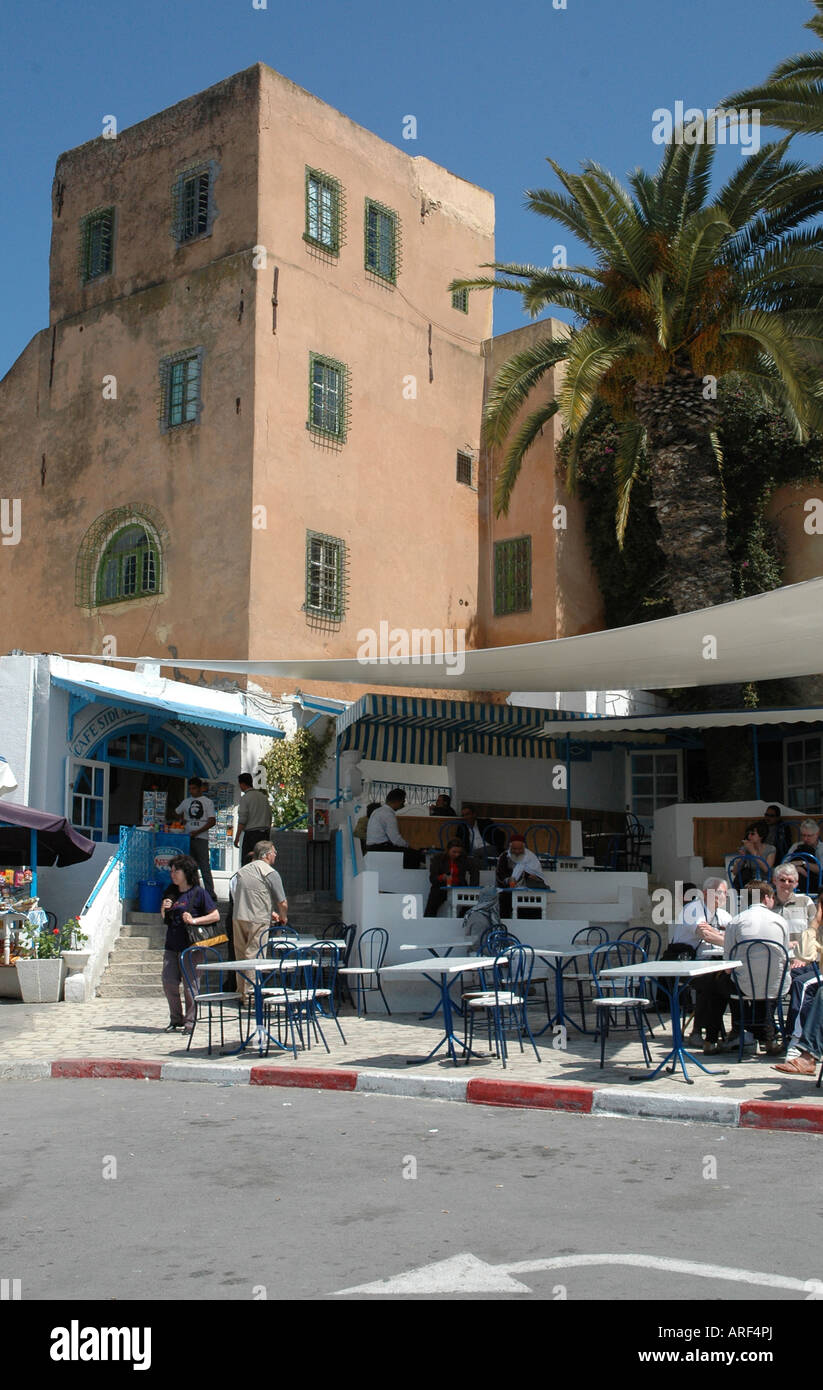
[40, 971]
[73, 955]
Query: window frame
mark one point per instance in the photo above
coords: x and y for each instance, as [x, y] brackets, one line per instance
[330, 183]
[208, 169]
[151, 552]
[167, 384]
[331, 364]
[382, 211]
[324, 611]
[464, 458]
[500, 549]
[87, 224]
[460, 301]
[806, 759]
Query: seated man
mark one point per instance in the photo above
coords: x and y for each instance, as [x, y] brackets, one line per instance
[453, 869]
[780, 832]
[383, 833]
[809, 843]
[518, 867]
[759, 923]
[797, 909]
[442, 806]
[473, 832]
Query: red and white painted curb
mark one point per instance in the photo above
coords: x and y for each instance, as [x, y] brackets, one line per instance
[802, 1115]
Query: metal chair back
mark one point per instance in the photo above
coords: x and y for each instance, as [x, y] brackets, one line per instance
[590, 936]
[745, 867]
[548, 835]
[496, 940]
[371, 948]
[453, 830]
[201, 955]
[763, 972]
[611, 956]
[647, 937]
[512, 970]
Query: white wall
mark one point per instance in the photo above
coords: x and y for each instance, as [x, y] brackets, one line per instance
[599, 785]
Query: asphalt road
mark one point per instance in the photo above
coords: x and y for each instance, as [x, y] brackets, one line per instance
[118, 1190]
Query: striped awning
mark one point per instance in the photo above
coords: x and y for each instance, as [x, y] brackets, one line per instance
[405, 729]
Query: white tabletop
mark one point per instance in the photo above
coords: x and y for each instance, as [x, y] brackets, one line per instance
[434, 945]
[253, 963]
[665, 969]
[440, 965]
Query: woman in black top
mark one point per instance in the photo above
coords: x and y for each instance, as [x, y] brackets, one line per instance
[184, 902]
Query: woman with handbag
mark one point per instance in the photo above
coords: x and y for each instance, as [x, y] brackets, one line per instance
[187, 908]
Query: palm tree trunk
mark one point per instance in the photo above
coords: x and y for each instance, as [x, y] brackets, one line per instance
[687, 492]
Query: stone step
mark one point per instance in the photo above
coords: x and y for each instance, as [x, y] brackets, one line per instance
[143, 930]
[134, 969]
[137, 945]
[107, 990]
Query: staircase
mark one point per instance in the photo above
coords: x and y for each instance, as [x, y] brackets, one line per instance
[136, 963]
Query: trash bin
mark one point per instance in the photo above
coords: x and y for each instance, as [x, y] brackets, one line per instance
[149, 895]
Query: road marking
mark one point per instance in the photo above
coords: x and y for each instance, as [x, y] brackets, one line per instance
[465, 1273]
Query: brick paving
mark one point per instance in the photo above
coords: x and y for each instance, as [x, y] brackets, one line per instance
[133, 1028]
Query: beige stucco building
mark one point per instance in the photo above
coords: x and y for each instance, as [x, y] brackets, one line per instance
[253, 425]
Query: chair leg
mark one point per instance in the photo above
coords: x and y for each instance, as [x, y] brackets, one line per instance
[604, 1031]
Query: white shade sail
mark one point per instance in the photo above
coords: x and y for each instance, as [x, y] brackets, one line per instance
[770, 636]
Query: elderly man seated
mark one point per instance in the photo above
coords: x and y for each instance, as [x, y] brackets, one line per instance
[454, 869]
[809, 843]
[518, 867]
[757, 923]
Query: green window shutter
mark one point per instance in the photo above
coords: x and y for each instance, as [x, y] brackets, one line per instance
[128, 567]
[513, 576]
[180, 378]
[323, 211]
[460, 300]
[381, 241]
[193, 209]
[325, 579]
[97, 244]
[328, 398]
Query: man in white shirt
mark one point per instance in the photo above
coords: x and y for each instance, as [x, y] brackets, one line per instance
[759, 980]
[383, 832]
[704, 919]
[199, 815]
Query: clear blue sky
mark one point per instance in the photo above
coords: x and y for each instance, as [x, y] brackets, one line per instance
[495, 88]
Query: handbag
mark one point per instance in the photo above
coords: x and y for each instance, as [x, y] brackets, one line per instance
[198, 934]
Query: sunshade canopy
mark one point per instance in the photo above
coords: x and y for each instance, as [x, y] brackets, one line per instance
[402, 729]
[766, 637]
[58, 843]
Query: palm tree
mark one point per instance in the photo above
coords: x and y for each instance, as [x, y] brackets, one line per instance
[792, 97]
[683, 292]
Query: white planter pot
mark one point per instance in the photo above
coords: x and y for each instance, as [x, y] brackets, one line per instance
[41, 981]
[76, 960]
[9, 982]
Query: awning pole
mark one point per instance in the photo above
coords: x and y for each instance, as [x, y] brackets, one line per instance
[337, 770]
[568, 779]
[33, 852]
[755, 751]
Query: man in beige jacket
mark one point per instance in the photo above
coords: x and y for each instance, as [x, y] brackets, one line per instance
[259, 903]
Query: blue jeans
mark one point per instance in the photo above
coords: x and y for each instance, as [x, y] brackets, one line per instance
[811, 1039]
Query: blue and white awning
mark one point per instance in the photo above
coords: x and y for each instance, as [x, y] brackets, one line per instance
[405, 729]
[91, 692]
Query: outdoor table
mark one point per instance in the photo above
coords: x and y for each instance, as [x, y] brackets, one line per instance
[673, 976]
[253, 967]
[434, 948]
[444, 966]
[557, 958]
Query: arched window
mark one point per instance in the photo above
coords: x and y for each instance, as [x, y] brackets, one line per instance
[129, 567]
[121, 558]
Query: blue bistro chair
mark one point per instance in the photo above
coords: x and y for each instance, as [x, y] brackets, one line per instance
[370, 955]
[813, 870]
[207, 997]
[767, 964]
[616, 995]
[326, 993]
[745, 867]
[505, 1004]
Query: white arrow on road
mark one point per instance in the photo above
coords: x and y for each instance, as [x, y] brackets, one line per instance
[467, 1274]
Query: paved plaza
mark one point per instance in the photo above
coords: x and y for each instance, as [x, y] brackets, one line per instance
[133, 1029]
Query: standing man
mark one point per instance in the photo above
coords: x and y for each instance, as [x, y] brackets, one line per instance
[199, 815]
[253, 817]
[259, 902]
